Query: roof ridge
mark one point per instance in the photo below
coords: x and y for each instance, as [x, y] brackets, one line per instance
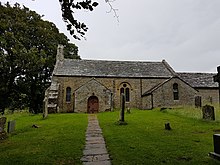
[102, 60]
[169, 67]
[195, 72]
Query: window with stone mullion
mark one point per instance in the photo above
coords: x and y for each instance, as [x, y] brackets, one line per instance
[126, 91]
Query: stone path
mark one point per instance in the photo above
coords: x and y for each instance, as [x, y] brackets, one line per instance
[95, 152]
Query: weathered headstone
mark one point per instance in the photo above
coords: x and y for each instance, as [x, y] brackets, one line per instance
[208, 112]
[3, 134]
[128, 110]
[11, 126]
[198, 101]
[167, 126]
[45, 108]
[122, 115]
[217, 79]
[216, 153]
[45, 104]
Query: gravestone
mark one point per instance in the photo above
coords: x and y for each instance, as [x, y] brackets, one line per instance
[122, 115]
[45, 108]
[167, 126]
[11, 126]
[128, 110]
[217, 79]
[3, 134]
[198, 101]
[208, 112]
[216, 153]
[45, 104]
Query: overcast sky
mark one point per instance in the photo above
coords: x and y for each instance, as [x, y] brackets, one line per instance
[186, 33]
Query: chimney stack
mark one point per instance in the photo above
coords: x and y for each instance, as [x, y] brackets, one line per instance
[60, 53]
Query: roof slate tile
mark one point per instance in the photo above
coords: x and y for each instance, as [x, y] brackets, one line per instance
[199, 80]
[101, 68]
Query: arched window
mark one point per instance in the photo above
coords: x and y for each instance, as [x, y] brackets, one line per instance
[126, 90]
[175, 91]
[127, 94]
[68, 94]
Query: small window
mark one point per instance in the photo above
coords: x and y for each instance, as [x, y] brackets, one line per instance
[68, 94]
[175, 92]
[127, 94]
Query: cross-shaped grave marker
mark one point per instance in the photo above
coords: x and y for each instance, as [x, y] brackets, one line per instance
[217, 79]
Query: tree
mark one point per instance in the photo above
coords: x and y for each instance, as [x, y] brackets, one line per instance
[28, 47]
[76, 28]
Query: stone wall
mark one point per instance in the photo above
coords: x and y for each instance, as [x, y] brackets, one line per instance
[92, 88]
[209, 96]
[137, 88]
[161, 97]
[147, 102]
[113, 84]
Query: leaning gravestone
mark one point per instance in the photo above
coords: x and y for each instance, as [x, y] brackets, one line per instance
[3, 134]
[11, 126]
[208, 112]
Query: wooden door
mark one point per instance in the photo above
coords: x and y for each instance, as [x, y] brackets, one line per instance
[93, 104]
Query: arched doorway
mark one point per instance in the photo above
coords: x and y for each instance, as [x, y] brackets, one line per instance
[93, 104]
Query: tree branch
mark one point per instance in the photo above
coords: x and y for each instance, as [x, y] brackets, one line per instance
[112, 9]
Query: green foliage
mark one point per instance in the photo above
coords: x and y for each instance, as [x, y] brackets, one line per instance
[59, 139]
[76, 28]
[144, 139]
[27, 56]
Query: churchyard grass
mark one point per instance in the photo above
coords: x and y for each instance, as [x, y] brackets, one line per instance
[144, 139]
[192, 112]
[59, 140]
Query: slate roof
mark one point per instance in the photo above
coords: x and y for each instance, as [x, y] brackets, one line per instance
[101, 68]
[199, 80]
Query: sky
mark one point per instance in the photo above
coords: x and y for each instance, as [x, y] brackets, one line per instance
[186, 33]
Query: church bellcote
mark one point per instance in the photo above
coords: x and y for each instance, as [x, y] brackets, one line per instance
[60, 53]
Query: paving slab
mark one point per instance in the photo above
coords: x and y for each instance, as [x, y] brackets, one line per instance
[95, 152]
[95, 158]
[97, 163]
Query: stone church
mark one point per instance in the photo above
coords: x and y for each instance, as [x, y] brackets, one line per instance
[91, 86]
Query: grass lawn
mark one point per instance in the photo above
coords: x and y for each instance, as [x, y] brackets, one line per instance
[145, 141]
[59, 139]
